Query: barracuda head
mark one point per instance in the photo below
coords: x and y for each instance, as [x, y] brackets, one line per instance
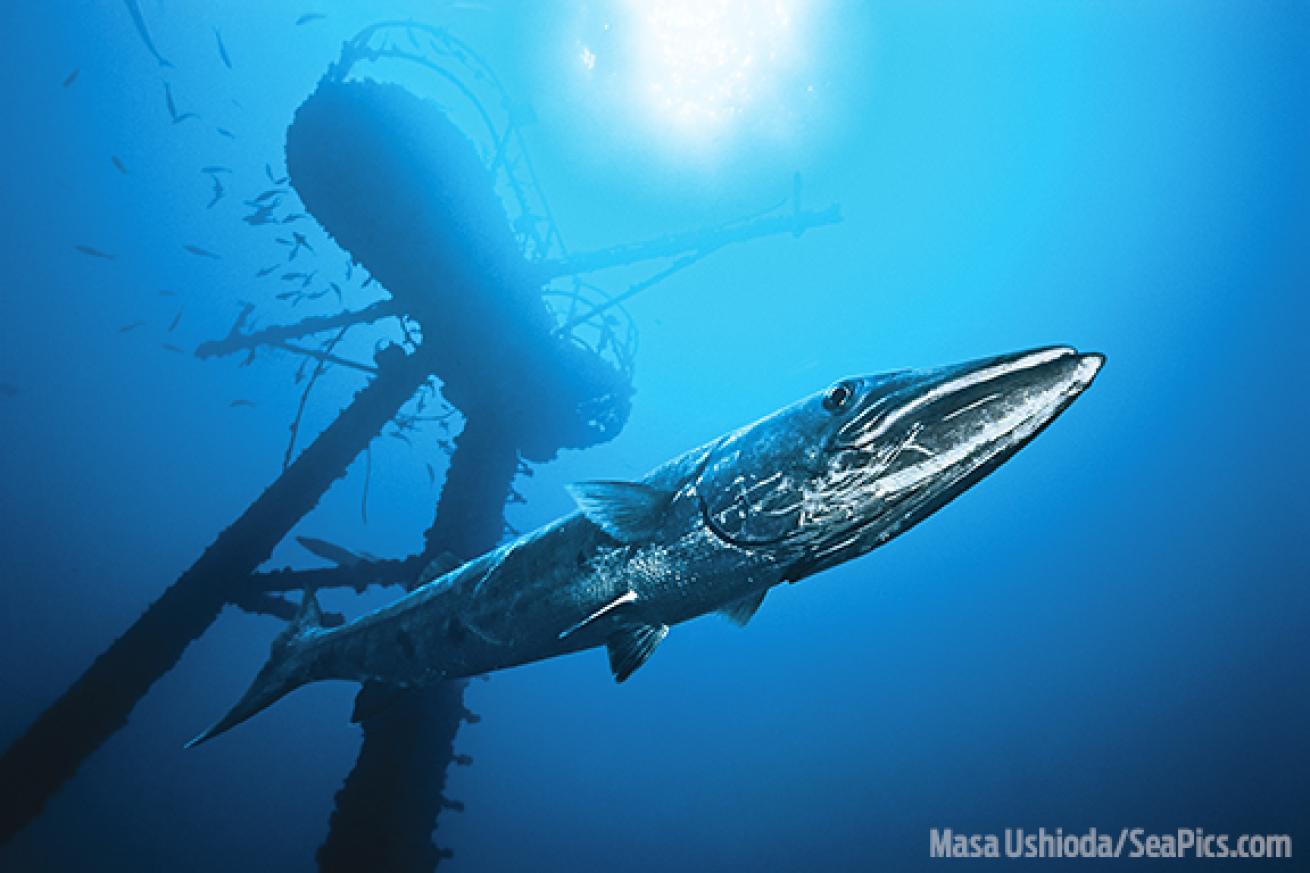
[841, 472]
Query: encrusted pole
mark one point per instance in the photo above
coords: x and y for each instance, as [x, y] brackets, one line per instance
[387, 808]
[98, 703]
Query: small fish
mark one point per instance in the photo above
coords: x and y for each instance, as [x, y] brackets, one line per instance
[94, 252]
[223, 131]
[339, 555]
[263, 214]
[166, 293]
[215, 168]
[310, 16]
[200, 253]
[222, 49]
[250, 404]
[72, 77]
[176, 320]
[268, 171]
[219, 191]
[291, 277]
[119, 165]
[128, 328]
[268, 195]
[134, 9]
[294, 217]
[432, 476]
[172, 107]
[336, 289]
[172, 348]
[267, 271]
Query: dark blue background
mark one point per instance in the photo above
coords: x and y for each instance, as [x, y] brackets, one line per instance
[1111, 631]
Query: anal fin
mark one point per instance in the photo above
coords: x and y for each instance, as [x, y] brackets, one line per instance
[632, 646]
[742, 610]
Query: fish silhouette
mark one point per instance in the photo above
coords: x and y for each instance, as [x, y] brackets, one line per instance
[172, 107]
[134, 9]
[219, 191]
[222, 49]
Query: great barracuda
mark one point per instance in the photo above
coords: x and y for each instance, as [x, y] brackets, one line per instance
[813, 485]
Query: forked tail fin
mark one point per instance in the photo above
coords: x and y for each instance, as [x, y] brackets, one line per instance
[286, 670]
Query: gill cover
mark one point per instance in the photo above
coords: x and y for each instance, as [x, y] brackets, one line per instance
[750, 490]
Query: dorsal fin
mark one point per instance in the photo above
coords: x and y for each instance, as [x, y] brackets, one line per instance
[742, 610]
[632, 646]
[628, 511]
[309, 617]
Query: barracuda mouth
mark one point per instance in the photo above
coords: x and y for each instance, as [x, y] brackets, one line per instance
[914, 448]
[965, 386]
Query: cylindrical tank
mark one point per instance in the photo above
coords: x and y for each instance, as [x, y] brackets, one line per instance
[404, 192]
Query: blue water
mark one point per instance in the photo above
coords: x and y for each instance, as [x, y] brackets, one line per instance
[1109, 632]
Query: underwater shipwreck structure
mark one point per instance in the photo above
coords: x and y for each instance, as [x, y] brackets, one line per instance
[435, 196]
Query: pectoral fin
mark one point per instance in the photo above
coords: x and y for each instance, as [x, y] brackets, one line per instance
[632, 646]
[623, 599]
[627, 511]
[739, 612]
[438, 567]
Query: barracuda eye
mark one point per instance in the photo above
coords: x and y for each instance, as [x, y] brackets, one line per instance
[838, 397]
